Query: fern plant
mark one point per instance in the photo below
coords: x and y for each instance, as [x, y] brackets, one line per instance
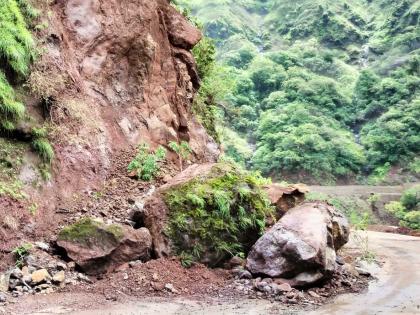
[215, 216]
[17, 52]
[183, 150]
[146, 164]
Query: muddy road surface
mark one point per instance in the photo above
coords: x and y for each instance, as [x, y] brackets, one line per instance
[397, 291]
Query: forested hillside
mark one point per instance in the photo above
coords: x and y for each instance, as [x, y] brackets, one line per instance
[316, 90]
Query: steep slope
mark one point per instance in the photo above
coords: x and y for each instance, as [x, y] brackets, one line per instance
[108, 77]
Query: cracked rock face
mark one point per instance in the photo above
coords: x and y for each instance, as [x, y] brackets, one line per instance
[130, 78]
[302, 246]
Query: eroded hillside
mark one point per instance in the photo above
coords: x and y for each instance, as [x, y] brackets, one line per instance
[96, 78]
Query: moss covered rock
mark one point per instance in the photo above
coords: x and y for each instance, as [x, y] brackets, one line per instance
[98, 248]
[208, 213]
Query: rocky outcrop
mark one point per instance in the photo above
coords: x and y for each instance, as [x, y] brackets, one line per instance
[302, 246]
[116, 73]
[154, 214]
[99, 248]
[285, 197]
[227, 203]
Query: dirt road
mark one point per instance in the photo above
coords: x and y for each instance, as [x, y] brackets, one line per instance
[396, 292]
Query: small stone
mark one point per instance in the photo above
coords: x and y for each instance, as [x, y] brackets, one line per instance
[285, 287]
[350, 269]
[71, 265]
[4, 282]
[314, 294]
[339, 260]
[40, 275]
[236, 261]
[61, 266]
[170, 287]
[245, 274]
[158, 286]
[3, 297]
[125, 276]
[83, 277]
[19, 288]
[133, 264]
[59, 277]
[16, 273]
[30, 261]
[49, 291]
[362, 271]
[43, 246]
[155, 277]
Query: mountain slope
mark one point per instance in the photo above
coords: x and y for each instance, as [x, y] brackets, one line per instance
[353, 64]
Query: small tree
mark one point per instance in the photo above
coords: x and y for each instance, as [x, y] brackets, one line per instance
[183, 151]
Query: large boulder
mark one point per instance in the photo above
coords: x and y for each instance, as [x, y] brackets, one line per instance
[99, 248]
[301, 247]
[207, 213]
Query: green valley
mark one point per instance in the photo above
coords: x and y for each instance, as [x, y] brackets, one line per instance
[318, 91]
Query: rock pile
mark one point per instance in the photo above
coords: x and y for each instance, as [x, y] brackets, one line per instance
[38, 273]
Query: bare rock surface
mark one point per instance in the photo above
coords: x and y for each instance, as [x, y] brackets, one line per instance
[285, 197]
[99, 248]
[302, 246]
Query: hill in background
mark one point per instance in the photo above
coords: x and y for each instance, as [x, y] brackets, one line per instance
[323, 90]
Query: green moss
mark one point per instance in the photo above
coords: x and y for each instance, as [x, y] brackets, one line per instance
[216, 217]
[88, 231]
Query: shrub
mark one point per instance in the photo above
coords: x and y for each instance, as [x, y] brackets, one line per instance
[183, 150]
[146, 164]
[21, 252]
[407, 210]
[411, 198]
[211, 219]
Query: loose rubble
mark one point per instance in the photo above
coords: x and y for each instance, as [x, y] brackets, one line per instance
[39, 273]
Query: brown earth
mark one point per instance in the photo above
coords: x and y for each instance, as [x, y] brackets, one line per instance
[116, 74]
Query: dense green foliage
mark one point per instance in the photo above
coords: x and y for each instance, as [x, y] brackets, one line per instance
[354, 65]
[146, 163]
[16, 53]
[217, 217]
[407, 210]
[296, 138]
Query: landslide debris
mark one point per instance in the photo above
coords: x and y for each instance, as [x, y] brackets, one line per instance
[207, 213]
[99, 248]
[301, 247]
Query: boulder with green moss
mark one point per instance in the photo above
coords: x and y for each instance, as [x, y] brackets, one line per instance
[208, 213]
[99, 248]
